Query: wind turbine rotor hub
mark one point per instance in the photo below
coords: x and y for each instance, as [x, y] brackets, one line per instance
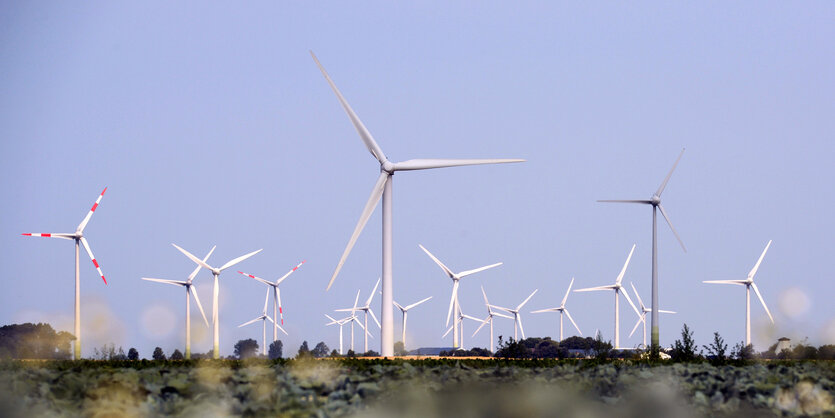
[655, 200]
[388, 167]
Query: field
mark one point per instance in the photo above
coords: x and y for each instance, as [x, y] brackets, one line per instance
[418, 388]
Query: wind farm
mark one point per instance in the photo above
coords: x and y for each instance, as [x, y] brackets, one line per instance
[224, 128]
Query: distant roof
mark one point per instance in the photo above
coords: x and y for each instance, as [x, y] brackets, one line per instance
[784, 339]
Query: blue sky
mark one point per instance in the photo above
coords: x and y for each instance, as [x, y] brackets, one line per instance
[211, 125]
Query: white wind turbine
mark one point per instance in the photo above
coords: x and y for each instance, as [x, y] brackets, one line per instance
[78, 237]
[276, 297]
[655, 201]
[616, 287]
[749, 283]
[263, 318]
[405, 310]
[642, 315]
[562, 310]
[459, 321]
[366, 309]
[190, 289]
[215, 274]
[339, 322]
[383, 189]
[453, 299]
[517, 318]
[354, 319]
[489, 318]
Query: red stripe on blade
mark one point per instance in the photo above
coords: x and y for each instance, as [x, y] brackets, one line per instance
[95, 205]
[280, 310]
[102, 192]
[105, 280]
[96, 263]
[28, 235]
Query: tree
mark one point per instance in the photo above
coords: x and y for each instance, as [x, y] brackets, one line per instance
[176, 355]
[371, 353]
[350, 353]
[717, 349]
[321, 350]
[685, 348]
[826, 352]
[246, 348]
[334, 354]
[743, 352]
[304, 351]
[158, 354]
[512, 349]
[276, 350]
[133, 354]
[400, 349]
[34, 341]
[601, 349]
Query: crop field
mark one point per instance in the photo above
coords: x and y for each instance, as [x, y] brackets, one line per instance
[416, 388]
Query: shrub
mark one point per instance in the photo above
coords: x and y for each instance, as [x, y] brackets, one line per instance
[276, 350]
[684, 349]
[158, 354]
[246, 348]
[321, 350]
[133, 354]
[716, 350]
[176, 355]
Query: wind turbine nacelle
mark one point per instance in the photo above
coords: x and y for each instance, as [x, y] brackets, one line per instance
[655, 200]
[388, 167]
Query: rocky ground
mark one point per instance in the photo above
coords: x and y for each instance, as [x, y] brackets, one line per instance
[466, 388]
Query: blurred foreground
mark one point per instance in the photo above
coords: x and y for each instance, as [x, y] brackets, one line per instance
[424, 388]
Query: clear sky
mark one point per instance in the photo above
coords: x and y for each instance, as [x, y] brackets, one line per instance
[211, 125]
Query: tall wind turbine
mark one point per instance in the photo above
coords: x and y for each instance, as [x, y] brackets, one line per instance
[192, 290]
[616, 287]
[354, 319]
[216, 273]
[489, 318]
[749, 283]
[642, 315]
[366, 309]
[562, 310]
[453, 299]
[263, 318]
[655, 201]
[405, 310]
[276, 297]
[78, 237]
[517, 318]
[339, 322]
[383, 189]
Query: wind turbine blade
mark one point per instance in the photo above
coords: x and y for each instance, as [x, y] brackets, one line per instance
[626, 264]
[280, 308]
[473, 271]
[333, 321]
[547, 310]
[193, 290]
[356, 300]
[83, 223]
[231, 263]
[438, 262]
[521, 329]
[647, 202]
[93, 259]
[500, 307]
[483, 323]
[526, 300]
[266, 300]
[278, 282]
[47, 235]
[565, 298]
[757, 291]
[266, 282]
[736, 282]
[572, 322]
[501, 315]
[417, 303]
[166, 281]
[375, 318]
[447, 332]
[282, 329]
[663, 311]
[452, 300]
[592, 289]
[757, 266]
[423, 164]
[641, 318]
[193, 258]
[485, 298]
[376, 193]
[344, 310]
[197, 269]
[267, 317]
[670, 174]
[628, 299]
[398, 305]
[667, 218]
[247, 323]
[637, 295]
[471, 317]
[372, 146]
[373, 292]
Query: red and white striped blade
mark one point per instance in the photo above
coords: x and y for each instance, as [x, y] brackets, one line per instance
[277, 282]
[90, 214]
[92, 258]
[48, 235]
[256, 278]
[280, 309]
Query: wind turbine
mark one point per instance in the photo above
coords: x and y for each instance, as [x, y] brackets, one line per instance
[517, 319]
[276, 296]
[190, 289]
[489, 318]
[78, 237]
[405, 311]
[642, 315]
[562, 310]
[616, 287]
[339, 322]
[456, 277]
[749, 283]
[459, 321]
[354, 319]
[655, 201]
[367, 309]
[264, 318]
[383, 189]
[215, 273]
